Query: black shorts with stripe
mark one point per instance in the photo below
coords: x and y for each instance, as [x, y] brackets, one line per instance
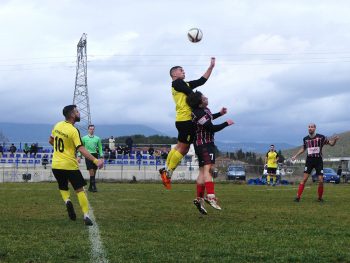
[90, 164]
[73, 176]
[205, 154]
[314, 163]
[186, 130]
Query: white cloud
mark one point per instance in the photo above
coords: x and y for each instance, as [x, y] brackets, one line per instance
[274, 44]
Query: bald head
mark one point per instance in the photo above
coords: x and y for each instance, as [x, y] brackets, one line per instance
[312, 129]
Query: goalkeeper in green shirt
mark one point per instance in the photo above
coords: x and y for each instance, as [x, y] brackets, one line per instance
[94, 146]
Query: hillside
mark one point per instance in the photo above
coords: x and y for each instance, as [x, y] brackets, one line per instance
[18, 132]
[341, 149]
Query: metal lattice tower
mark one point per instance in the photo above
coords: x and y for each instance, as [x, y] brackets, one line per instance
[81, 95]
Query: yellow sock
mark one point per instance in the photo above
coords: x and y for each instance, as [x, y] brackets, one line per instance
[170, 154]
[268, 179]
[83, 201]
[65, 195]
[175, 160]
[274, 179]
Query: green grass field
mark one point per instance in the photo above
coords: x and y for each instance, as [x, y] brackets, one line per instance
[144, 223]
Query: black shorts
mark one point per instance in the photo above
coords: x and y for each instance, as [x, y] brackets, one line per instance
[271, 170]
[73, 176]
[205, 154]
[314, 163]
[186, 130]
[90, 164]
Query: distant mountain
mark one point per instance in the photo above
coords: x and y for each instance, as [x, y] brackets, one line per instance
[250, 146]
[341, 149]
[17, 132]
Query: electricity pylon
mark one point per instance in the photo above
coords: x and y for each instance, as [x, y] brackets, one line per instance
[81, 94]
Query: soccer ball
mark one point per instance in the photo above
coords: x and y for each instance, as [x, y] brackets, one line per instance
[195, 35]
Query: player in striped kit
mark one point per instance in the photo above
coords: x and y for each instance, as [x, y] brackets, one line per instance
[205, 148]
[313, 144]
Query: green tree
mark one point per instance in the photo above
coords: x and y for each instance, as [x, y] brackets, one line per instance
[281, 158]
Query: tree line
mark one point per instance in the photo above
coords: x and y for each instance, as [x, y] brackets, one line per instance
[251, 157]
[142, 139]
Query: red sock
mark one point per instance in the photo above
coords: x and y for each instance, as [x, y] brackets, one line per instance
[200, 190]
[320, 191]
[300, 190]
[210, 187]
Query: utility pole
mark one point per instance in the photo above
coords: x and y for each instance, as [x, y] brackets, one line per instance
[81, 95]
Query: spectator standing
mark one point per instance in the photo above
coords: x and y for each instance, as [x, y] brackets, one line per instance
[1, 150]
[106, 153]
[45, 160]
[126, 150]
[119, 149]
[13, 148]
[129, 143]
[111, 143]
[339, 173]
[151, 150]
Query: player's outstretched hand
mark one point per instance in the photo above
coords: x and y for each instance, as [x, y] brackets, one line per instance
[223, 111]
[230, 122]
[100, 163]
[212, 62]
[78, 159]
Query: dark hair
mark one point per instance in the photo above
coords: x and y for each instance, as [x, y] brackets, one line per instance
[172, 69]
[194, 99]
[91, 125]
[272, 145]
[68, 110]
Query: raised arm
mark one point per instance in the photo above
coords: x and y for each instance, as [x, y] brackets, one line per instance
[207, 74]
[223, 111]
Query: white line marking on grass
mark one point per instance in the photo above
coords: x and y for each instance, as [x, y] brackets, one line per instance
[279, 189]
[97, 252]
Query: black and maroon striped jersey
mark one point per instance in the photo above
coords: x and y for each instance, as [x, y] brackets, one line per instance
[314, 145]
[205, 130]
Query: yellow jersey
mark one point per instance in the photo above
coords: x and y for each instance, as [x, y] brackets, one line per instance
[66, 142]
[180, 90]
[183, 111]
[272, 159]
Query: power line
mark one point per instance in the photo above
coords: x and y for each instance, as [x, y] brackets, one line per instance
[158, 61]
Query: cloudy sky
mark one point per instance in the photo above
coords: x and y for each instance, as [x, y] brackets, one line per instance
[280, 64]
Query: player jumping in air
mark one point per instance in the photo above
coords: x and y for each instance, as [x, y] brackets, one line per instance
[65, 139]
[313, 143]
[180, 90]
[205, 148]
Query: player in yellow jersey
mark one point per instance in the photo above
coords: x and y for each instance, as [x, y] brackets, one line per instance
[271, 161]
[65, 139]
[183, 123]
